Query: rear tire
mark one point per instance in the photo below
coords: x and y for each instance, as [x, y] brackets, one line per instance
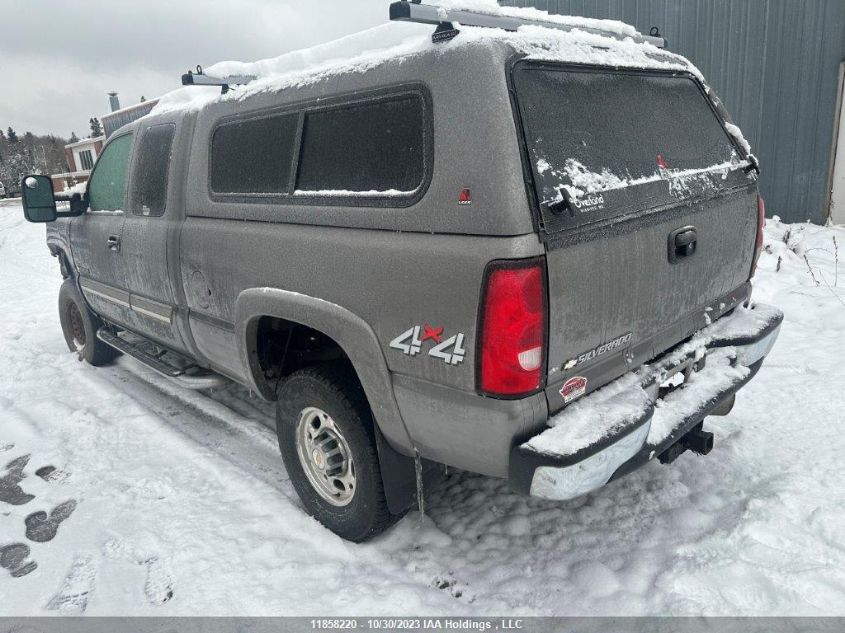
[80, 325]
[325, 430]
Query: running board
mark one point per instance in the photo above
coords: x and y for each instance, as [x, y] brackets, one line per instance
[191, 377]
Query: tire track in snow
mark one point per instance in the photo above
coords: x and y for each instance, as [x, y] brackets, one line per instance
[244, 443]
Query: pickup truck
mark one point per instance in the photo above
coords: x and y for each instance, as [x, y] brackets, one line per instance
[520, 249]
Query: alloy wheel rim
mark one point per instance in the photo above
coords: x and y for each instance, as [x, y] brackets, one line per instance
[325, 456]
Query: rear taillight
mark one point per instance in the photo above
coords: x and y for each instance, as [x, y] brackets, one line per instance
[511, 347]
[758, 243]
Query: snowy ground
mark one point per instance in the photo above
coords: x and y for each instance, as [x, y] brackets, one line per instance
[180, 503]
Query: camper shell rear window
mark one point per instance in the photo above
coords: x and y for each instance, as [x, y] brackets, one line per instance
[604, 142]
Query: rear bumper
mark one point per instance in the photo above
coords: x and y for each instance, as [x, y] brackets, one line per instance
[625, 424]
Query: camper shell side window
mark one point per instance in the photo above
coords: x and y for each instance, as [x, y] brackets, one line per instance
[373, 149]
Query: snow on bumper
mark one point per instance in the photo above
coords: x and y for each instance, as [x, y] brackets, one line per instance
[625, 424]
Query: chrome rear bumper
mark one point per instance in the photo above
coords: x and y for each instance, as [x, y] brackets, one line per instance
[627, 423]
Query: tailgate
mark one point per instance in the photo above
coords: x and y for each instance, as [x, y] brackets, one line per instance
[647, 211]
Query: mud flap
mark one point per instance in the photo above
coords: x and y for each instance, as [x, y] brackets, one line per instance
[399, 476]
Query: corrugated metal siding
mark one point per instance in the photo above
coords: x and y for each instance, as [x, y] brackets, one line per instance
[775, 65]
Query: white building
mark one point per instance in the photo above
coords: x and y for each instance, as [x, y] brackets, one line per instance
[81, 157]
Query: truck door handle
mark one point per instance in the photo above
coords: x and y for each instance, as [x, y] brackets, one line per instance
[682, 243]
[113, 243]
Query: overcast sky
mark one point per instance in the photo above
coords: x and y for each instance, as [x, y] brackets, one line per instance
[59, 58]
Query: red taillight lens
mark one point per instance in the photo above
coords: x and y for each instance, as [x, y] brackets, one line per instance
[513, 328]
[758, 243]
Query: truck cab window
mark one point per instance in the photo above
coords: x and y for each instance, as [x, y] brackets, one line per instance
[107, 189]
[149, 185]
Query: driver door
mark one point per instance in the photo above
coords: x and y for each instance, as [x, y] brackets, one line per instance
[96, 235]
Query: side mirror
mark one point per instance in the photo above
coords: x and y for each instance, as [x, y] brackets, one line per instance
[39, 203]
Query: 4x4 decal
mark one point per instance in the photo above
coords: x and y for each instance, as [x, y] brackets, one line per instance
[450, 350]
[433, 333]
[408, 342]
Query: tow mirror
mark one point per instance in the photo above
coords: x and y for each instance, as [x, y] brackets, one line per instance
[39, 203]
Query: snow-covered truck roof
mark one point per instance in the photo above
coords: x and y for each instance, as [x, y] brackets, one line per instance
[537, 35]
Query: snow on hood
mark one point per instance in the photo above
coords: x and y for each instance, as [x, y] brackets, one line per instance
[395, 41]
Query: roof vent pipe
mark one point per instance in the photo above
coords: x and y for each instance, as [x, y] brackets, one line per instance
[114, 102]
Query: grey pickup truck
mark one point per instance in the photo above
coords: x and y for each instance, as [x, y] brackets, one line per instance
[518, 248]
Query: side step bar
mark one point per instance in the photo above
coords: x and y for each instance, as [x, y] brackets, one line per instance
[191, 377]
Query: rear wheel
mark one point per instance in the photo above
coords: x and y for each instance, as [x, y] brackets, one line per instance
[325, 430]
[80, 325]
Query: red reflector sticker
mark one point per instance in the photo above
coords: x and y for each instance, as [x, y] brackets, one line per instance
[465, 197]
[573, 388]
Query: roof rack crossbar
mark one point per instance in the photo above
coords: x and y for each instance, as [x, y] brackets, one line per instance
[199, 78]
[429, 14]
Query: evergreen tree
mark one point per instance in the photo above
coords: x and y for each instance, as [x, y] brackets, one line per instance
[10, 134]
[96, 128]
[73, 138]
[31, 154]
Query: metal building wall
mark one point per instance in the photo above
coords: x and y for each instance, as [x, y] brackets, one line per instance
[774, 63]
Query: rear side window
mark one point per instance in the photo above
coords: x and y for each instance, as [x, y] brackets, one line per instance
[254, 156]
[591, 132]
[107, 188]
[375, 147]
[149, 185]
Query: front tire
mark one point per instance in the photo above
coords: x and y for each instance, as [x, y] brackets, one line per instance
[325, 430]
[80, 325]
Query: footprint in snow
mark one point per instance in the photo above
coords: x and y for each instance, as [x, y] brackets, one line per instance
[10, 490]
[13, 558]
[42, 528]
[450, 585]
[158, 586]
[51, 473]
[6, 447]
[77, 586]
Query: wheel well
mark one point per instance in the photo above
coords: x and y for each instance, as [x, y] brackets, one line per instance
[64, 262]
[283, 347]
